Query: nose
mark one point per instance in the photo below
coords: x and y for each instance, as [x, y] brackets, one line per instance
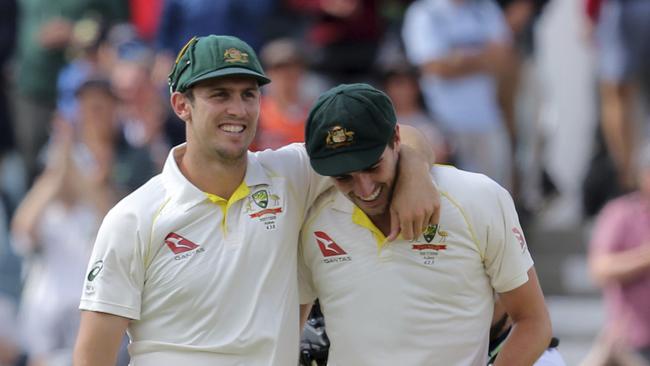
[363, 185]
[236, 107]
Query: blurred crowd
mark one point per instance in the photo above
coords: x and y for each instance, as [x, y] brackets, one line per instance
[85, 117]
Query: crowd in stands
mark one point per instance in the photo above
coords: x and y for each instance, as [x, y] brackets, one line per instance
[85, 117]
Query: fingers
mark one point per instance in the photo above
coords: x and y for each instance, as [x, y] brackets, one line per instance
[394, 226]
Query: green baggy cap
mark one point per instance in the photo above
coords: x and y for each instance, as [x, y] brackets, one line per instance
[212, 57]
[348, 129]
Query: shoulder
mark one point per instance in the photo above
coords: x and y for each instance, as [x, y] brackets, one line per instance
[288, 158]
[462, 182]
[620, 206]
[138, 207]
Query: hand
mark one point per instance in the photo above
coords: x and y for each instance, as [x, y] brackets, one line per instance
[416, 200]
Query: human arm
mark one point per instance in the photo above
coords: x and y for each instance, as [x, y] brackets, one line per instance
[48, 187]
[609, 259]
[305, 309]
[531, 329]
[99, 338]
[620, 267]
[459, 63]
[416, 200]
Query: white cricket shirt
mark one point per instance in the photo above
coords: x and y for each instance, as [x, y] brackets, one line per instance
[207, 281]
[424, 302]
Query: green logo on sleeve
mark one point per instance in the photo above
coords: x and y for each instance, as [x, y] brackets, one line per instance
[97, 267]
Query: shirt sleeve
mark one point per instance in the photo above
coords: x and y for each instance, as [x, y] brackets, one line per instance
[506, 257]
[424, 40]
[115, 275]
[292, 161]
[305, 281]
[609, 229]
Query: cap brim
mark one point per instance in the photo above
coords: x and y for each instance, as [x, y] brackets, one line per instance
[346, 162]
[230, 71]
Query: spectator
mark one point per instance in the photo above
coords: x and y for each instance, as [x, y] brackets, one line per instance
[622, 31]
[459, 46]
[285, 104]
[54, 228]
[45, 30]
[401, 85]
[343, 37]
[619, 260]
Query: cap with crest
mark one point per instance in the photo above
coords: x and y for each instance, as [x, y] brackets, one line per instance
[212, 57]
[348, 129]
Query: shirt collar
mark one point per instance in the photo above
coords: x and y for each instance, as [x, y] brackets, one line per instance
[186, 194]
[343, 204]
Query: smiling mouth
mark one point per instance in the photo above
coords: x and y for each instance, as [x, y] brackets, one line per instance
[373, 196]
[232, 128]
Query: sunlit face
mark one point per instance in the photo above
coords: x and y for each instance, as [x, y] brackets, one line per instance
[371, 189]
[222, 119]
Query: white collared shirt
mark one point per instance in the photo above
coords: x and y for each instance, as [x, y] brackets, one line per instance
[207, 281]
[424, 302]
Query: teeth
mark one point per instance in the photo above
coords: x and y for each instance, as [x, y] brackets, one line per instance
[232, 128]
[373, 196]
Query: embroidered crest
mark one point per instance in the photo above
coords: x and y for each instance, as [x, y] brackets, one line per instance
[261, 198]
[235, 55]
[430, 233]
[338, 136]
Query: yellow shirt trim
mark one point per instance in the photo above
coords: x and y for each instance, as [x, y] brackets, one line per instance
[241, 192]
[360, 218]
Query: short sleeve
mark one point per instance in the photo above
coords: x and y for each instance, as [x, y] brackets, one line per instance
[115, 275]
[506, 258]
[306, 288]
[423, 38]
[292, 162]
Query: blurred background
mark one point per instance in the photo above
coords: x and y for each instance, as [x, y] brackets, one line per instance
[547, 97]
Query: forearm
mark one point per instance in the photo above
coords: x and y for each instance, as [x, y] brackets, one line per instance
[416, 143]
[99, 339]
[490, 59]
[305, 309]
[29, 211]
[454, 66]
[621, 267]
[526, 342]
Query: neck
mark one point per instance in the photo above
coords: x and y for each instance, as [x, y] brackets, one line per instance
[382, 222]
[214, 175]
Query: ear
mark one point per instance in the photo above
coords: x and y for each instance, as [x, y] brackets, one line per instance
[181, 106]
[397, 140]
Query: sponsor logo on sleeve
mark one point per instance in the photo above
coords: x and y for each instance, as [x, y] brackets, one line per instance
[89, 287]
[520, 238]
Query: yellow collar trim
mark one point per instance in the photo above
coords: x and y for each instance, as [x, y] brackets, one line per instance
[240, 193]
[360, 218]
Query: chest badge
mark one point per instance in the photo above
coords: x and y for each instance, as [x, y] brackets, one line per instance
[265, 207]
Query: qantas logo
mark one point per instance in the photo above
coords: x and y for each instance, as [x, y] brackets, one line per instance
[327, 246]
[179, 244]
[520, 238]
